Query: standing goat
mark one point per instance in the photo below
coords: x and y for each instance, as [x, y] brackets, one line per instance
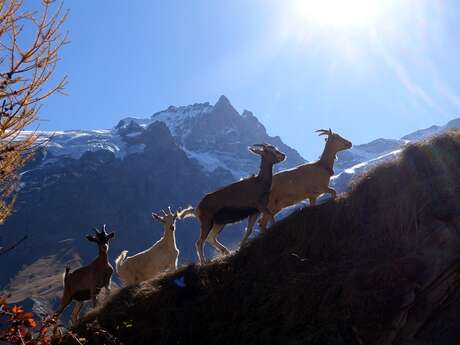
[308, 180]
[235, 202]
[86, 282]
[161, 257]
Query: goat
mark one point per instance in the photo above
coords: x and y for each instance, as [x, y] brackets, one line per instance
[308, 180]
[235, 202]
[161, 257]
[86, 282]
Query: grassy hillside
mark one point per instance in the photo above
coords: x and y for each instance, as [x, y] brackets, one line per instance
[378, 266]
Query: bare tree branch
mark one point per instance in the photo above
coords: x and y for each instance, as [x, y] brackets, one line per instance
[3, 251]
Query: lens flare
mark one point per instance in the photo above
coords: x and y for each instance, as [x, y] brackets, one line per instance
[340, 14]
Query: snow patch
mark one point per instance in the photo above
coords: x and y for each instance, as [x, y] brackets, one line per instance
[210, 162]
[361, 166]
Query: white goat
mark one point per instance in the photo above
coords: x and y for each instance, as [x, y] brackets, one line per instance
[161, 257]
[86, 282]
[235, 202]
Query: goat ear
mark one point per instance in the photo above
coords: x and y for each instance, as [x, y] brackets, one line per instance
[91, 238]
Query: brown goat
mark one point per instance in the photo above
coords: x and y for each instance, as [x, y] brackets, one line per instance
[308, 180]
[235, 202]
[86, 282]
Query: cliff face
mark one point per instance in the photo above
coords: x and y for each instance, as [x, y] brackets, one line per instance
[378, 266]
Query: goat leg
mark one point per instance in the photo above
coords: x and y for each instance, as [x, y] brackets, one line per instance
[64, 303]
[251, 221]
[76, 312]
[332, 192]
[266, 213]
[212, 239]
[263, 223]
[205, 228]
[93, 297]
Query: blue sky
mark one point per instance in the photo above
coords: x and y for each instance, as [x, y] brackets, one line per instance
[296, 66]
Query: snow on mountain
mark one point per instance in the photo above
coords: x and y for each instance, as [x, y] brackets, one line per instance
[74, 143]
[216, 137]
[366, 152]
[176, 118]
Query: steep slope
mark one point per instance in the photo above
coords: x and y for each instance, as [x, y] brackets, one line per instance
[379, 266]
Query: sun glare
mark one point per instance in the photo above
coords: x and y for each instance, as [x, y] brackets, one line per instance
[340, 14]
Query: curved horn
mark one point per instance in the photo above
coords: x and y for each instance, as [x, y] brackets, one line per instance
[164, 212]
[169, 209]
[256, 148]
[157, 217]
[330, 131]
[322, 132]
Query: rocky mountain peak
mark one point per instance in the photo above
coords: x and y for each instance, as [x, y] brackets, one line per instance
[223, 104]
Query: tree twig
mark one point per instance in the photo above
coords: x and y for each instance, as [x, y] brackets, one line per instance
[11, 247]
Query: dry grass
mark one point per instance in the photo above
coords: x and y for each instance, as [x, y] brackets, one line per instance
[339, 273]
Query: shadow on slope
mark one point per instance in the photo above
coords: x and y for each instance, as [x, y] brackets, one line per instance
[379, 266]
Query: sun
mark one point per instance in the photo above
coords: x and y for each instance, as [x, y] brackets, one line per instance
[339, 14]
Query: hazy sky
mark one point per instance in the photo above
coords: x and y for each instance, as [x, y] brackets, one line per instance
[368, 69]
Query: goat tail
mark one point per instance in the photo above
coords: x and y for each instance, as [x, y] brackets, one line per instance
[120, 260]
[65, 275]
[188, 212]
